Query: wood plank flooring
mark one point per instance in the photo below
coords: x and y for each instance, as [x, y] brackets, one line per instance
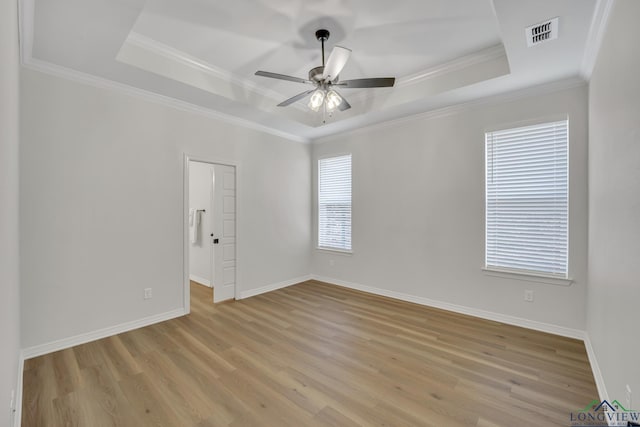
[312, 354]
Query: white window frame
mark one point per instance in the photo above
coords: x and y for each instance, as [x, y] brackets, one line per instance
[340, 249]
[561, 278]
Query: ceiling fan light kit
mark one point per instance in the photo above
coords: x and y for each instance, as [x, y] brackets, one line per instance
[325, 78]
[332, 100]
[316, 100]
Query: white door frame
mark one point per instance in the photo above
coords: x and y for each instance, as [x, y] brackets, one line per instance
[185, 224]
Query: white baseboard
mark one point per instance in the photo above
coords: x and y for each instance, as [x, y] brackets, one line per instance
[489, 315]
[273, 287]
[17, 415]
[502, 318]
[200, 280]
[597, 373]
[61, 344]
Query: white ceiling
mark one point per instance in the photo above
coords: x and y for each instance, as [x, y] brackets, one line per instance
[202, 54]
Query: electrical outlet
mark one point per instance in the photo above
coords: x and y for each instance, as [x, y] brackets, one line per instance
[332, 262]
[528, 295]
[148, 293]
[628, 398]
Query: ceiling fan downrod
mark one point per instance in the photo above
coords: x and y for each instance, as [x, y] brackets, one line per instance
[316, 73]
[322, 35]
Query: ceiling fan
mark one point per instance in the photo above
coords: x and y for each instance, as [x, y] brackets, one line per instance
[326, 80]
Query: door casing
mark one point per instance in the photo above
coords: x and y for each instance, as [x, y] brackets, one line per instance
[185, 219]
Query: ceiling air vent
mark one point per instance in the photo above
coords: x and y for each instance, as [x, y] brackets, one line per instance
[542, 32]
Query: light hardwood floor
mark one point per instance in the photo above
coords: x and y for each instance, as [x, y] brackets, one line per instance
[309, 355]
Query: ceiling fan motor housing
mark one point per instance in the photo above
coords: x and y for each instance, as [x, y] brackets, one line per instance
[315, 74]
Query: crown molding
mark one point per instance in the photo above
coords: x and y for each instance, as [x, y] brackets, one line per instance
[162, 49]
[456, 108]
[480, 66]
[102, 83]
[190, 61]
[597, 29]
[25, 29]
[478, 57]
[152, 45]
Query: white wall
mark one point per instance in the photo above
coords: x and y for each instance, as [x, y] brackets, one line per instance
[613, 314]
[101, 202]
[200, 193]
[9, 241]
[418, 210]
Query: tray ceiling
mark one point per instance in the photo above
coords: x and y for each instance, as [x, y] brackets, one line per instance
[204, 54]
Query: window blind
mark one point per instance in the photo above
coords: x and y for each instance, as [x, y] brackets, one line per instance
[527, 198]
[334, 203]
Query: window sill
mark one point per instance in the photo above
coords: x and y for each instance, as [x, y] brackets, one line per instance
[527, 276]
[334, 250]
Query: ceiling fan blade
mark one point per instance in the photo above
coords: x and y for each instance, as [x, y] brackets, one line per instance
[344, 105]
[336, 62]
[364, 83]
[293, 99]
[281, 77]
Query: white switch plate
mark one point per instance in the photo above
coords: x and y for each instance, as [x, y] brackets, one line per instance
[148, 293]
[528, 295]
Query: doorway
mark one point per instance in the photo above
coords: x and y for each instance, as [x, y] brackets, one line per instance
[210, 231]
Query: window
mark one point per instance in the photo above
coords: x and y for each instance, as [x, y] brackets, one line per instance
[527, 199]
[334, 203]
